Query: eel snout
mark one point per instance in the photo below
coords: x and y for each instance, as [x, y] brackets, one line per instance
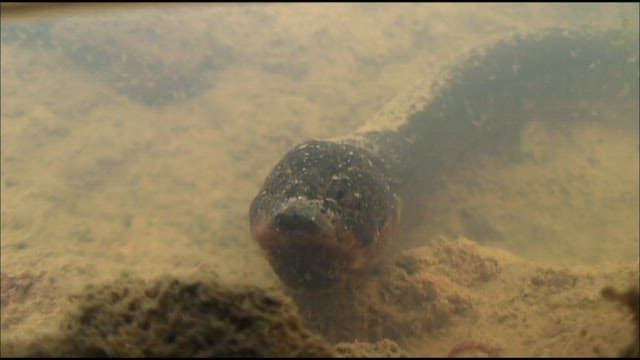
[306, 246]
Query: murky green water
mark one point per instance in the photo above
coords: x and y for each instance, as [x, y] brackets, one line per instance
[134, 140]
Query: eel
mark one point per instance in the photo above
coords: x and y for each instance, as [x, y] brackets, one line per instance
[330, 208]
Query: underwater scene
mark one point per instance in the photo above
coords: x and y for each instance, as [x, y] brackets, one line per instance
[326, 180]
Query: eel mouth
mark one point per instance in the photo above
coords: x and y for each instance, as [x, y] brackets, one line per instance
[307, 246]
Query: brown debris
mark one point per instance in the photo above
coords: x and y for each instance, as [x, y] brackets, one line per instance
[16, 290]
[555, 279]
[382, 348]
[630, 299]
[473, 346]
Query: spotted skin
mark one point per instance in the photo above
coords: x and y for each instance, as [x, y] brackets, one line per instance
[325, 210]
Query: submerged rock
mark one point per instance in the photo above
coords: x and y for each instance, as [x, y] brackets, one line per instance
[132, 317]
